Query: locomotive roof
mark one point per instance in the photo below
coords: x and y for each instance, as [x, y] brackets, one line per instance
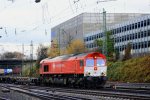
[65, 57]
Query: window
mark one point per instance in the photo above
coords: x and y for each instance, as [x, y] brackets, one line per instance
[100, 62]
[145, 33]
[142, 34]
[127, 37]
[133, 36]
[113, 32]
[130, 36]
[90, 38]
[136, 46]
[141, 23]
[132, 26]
[81, 63]
[148, 32]
[97, 36]
[144, 22]
[148, 43]
[148, 21]
[138, 24]
[120, 30]
[46, 68]
[94, 37]
[124, 28]
[133, 46]
[135, 25]
[90, 62]
[142, 45]
[123, 47]
[127, 27]
[138, 34]
[145, 44]
[139, 45]
[122, 38]
[117, 39]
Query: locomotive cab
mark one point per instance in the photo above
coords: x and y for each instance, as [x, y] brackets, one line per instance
[95, 69]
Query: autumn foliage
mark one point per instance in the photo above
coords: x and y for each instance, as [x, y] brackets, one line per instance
[76, 46]
[133, 70]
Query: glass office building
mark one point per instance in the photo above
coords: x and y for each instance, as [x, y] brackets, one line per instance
[134, 31]
[78, 26]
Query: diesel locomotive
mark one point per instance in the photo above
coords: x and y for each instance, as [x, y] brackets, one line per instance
[86, 69]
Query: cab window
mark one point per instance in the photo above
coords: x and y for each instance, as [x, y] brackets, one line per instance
[81, 63]
[90, 62]
[46, 68]
[100, 62]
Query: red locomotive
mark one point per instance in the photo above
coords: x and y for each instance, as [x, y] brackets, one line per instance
[86, 69]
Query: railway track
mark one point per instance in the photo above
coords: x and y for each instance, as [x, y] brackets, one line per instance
[82, 94]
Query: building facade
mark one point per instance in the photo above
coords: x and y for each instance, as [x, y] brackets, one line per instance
[77, 27]
[135, 31]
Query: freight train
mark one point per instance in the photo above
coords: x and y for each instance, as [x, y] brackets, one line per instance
[82, 70]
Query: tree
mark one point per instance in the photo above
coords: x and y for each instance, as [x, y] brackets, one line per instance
[41, 54]
[99, 43]
[76, 46]
[54, 50]
[110, 45]
[127, 52]
[12, 55]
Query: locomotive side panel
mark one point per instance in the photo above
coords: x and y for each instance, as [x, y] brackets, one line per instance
[68, 67]
[79, 66]
[57, 67]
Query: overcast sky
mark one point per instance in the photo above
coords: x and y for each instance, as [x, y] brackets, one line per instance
[25, 20]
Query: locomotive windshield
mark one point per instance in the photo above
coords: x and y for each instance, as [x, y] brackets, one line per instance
[90, 62]
[100, 62]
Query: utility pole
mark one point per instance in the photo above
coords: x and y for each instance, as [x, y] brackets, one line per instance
[22, 58]
[31, 57]
[59, 41]
[104, 51]
[104, 33]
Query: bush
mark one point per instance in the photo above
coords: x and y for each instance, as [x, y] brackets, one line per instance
[133, 70]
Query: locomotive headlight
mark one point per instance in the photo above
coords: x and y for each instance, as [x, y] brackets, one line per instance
[87, 73]
[102, 73]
